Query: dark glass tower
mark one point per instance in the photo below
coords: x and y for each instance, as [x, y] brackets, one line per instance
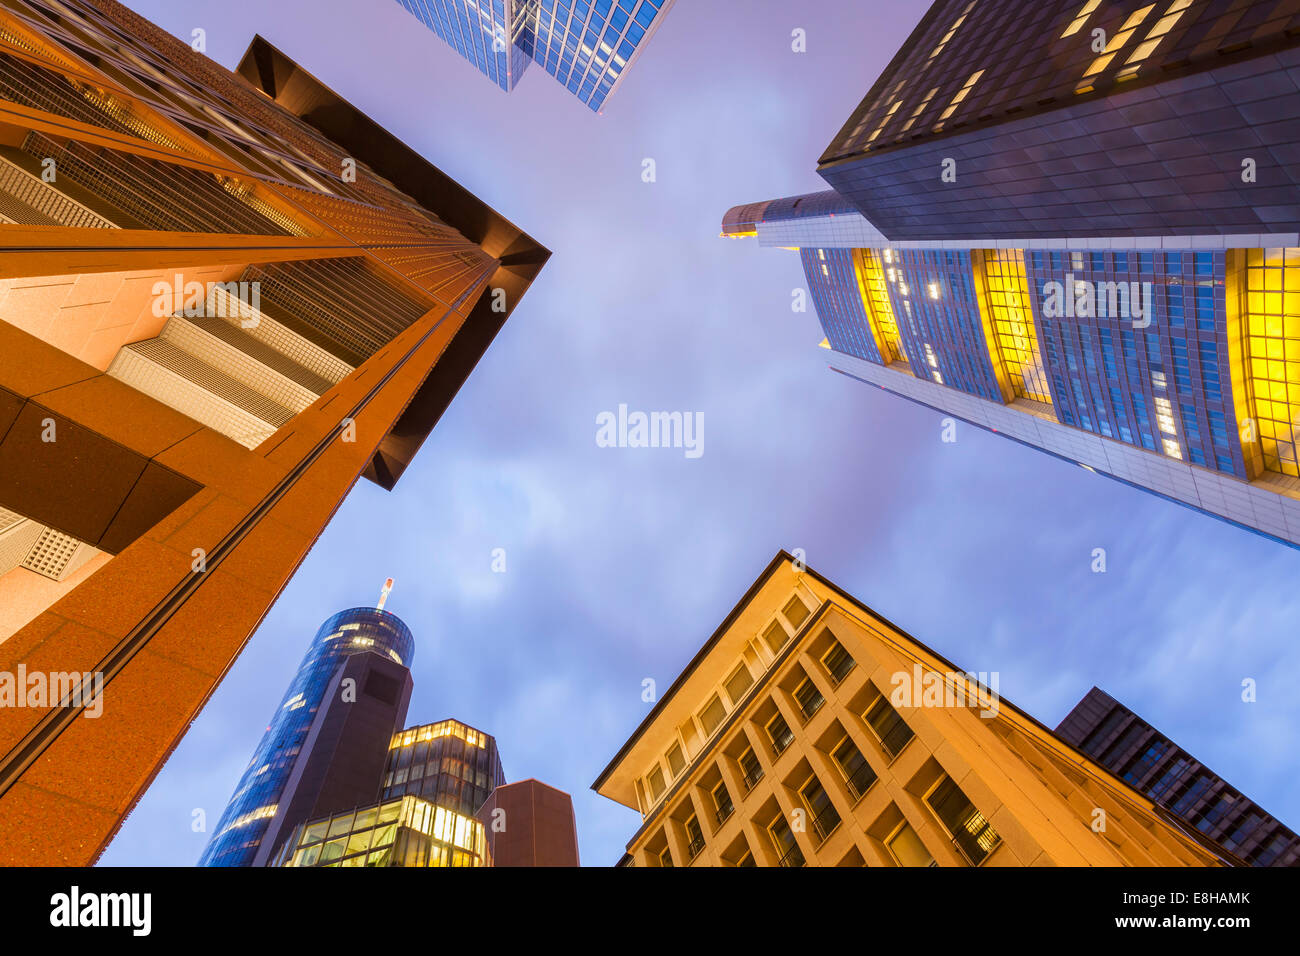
[1056, 118]
[1129, 747]
[296, 769]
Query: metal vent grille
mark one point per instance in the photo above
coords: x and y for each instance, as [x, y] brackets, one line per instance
[174, 390]
[28, 200]
[52, 92]
[16, 540]
[278, 338]
[158, 194]
[214, 381]
[56, 555]
[342, 299]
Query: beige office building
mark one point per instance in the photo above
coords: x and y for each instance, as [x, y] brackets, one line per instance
[809, 731]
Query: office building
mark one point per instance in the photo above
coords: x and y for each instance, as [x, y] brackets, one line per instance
[1044, 119]
[808, 731]
[325, 746]
[224, 297]
[529, 823]
[1092, 252]
[1132, 749]
[586, 45]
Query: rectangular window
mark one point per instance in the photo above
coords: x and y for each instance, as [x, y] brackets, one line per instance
[776, 636]
[778, 731]
[712, 715]
[750, 768]
[694, 837]
[787, 850]
[739, 682]
[857, 772]
[723, 806]
[973, 834]
[838, 662]
[907, 849]
[809, 697]
[795, 611]
[676, 762]
[656, 781]
[665, 857]
[821, 811]
[890, 728]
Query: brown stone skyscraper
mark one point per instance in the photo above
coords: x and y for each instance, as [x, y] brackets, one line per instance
[223, 299]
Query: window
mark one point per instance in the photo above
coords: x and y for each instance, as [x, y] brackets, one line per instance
[778, 731]
[809, 698]
[796, 612]
[676, 762]
[712, 715]
[722, 803]
[656, 781]
[665, 857]
[739, 682]
[694, 837]
[907, 849]
[890, 729]
[775, 636]
[825, 817]
[746, 860]
[857, 772]
[838, 662]
[787, 850]
[973, 834]
[750, 768]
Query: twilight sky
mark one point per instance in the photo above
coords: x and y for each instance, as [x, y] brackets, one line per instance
[621, 562]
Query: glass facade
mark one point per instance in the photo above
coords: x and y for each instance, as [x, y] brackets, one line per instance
[1271, 313]
[402, 832]
[238, 834]
[585, 44]
[447, 763]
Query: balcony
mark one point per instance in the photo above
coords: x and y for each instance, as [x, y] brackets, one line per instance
[792, 857]
[825, 822]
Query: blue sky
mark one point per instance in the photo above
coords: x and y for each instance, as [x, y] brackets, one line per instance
[621, 562]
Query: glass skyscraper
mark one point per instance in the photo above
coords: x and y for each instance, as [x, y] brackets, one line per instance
[1094, 253]
[262, 788]
[587, 45]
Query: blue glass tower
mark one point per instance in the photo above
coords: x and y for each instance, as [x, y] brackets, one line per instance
[264, 794]
[587, 45]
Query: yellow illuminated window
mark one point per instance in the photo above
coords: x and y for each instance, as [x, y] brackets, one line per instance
[1013, 323]
[879, 309]
[951, 30]
[1272, 319]
[919, 110]
[1152, 39]
[1080, 18]
[885, 119]
[961, 95]
[1118, 40]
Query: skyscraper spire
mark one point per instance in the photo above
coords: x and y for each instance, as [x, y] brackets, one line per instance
[383, 595]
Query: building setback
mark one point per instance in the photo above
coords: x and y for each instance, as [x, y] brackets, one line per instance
[588, 46]
[225, 298]
[808, 730]
[1129, 747]
[1117, 118]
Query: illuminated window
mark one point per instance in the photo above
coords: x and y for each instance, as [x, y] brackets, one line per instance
[879, 308]
[1271, 315]
[1013, 323]
[1116, 44]
[1077, 24]
[956, 100]
[951, 30]
[1152, 39]
[920, 108]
